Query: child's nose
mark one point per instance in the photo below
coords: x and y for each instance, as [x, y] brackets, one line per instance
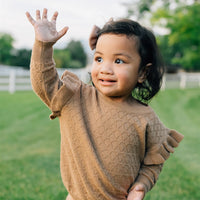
[106, 68]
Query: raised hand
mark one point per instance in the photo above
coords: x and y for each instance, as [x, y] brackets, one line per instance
[45, 30]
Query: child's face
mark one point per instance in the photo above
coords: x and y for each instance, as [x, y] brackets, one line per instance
[115, 69]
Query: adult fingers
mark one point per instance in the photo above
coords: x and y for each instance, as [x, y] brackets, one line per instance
[38, 15]
[62, 32]
[31, 20]
[44, 14]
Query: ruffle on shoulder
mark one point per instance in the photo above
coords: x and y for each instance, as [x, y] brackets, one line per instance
[70, 84]
[158, 154]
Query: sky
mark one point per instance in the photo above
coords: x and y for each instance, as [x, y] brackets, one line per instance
[78, 15]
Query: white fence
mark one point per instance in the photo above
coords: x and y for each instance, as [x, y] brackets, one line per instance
[181, 80]
[19, 80]
[14, 80]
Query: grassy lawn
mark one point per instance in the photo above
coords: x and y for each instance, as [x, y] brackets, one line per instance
[29, 150]
[30, 145]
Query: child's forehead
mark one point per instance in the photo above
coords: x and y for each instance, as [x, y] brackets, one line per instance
[117, 40]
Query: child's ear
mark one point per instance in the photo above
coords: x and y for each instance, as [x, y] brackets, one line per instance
[93, 37]
[143, 73]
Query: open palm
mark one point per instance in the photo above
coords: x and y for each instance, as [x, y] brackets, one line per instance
[45, 30]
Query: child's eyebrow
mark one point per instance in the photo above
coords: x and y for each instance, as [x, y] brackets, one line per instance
[98, 52]
[123, 54]
[116, 54]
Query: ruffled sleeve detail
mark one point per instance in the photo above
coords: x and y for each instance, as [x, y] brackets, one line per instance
[70, 85]
[158, 154]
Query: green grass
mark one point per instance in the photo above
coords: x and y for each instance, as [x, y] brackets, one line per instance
[30, 145]
[180, 178]
[29, 150]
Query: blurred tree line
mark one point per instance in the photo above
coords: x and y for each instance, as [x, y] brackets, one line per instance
[72, 56]
[180, 43]
[180, 20]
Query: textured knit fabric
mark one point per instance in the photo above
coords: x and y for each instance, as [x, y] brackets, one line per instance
[106, 146]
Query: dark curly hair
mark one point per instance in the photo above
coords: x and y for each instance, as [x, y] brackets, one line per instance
[148, 51]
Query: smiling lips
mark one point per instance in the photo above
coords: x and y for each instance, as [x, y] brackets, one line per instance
[107, 82]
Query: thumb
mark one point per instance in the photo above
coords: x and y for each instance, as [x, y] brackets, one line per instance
[62, 32]
[139, 187]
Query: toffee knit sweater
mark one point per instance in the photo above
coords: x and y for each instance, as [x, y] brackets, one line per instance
[106, 146]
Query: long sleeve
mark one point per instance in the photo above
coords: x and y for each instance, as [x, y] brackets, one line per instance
[148, 175]
[44, 78]
[161, 141]
[53, 91]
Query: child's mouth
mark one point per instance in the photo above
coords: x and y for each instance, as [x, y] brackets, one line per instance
[107, 82]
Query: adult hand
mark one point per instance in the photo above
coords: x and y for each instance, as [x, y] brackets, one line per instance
[45, 30]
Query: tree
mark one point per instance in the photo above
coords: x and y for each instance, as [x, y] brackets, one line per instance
[183, 41]
[6, 47]
[73, 56]
[180, 45]
[62, 58]
[77, 53]
[21, 57]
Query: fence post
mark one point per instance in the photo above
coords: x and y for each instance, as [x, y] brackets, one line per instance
[183, 81]
[163, 86]
[12, 77]
[199, 81]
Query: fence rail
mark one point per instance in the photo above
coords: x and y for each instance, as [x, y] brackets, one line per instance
[181, 80]
[14, 81]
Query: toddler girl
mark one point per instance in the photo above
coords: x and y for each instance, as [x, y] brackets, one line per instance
[113, 145]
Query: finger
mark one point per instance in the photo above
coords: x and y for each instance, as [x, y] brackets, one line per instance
[44, 15]
[139, 187]
[62, 32]
[38, 15]
[30, 19]
[139, 196]
[54, 17]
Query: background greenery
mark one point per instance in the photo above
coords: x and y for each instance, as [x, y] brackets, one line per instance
[30, 145]
[178, 36]
[73, 55]
[179, 29]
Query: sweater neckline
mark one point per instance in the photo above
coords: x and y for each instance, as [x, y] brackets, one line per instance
[129, 105]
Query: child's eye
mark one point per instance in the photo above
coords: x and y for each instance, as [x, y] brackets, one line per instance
[99, 59]
[119, 61]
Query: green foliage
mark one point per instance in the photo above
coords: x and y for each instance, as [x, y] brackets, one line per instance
[21, 57]
[6, 47]
[73, 56]
[184, 36]
[180, 45]
[62, 58]
[78, 55]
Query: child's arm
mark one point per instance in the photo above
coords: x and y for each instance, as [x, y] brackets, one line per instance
[160, 142]
[44, 77]
[147, 177]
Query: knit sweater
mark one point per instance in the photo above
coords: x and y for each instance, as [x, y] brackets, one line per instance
[106, 146]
